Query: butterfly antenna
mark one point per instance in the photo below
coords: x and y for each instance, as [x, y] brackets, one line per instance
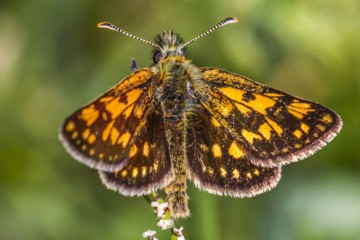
[117, 29]
[222, 23]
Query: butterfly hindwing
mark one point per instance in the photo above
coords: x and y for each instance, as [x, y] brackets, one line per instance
[218, 163]
[273, 127]
[149, 168]
[99, 134]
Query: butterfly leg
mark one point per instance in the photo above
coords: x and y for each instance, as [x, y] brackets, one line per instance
[133, 65]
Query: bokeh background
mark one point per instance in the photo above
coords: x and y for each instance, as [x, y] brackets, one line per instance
[53, 60]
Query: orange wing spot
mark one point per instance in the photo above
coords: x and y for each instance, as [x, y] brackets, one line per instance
[235, 151]
[89, 115]
[297, 133]
[83, 147]
[124, 173]
[133, 151]
[74, 135]
[124, 139]
[92, 152]
[265, 130]
[106, 132]
[91, 139]
[275, 126]
[104, 116]
[320, 127]
[244, 110]
[316, 135]
[233, 93]
[86, 133]
[250, 136]
[327, 118]
[70, 126]
[305, 128]
[216, 150]
[256, 172]
[297, 145]
[299, 110]
[235, 174]
[260, 103]
[105, 99]
[203, 167]
[225, 109]
[128, 111]
[156, 165]
[214, 122]
[139, 111]
[101, 155]
[285, 150]
[211, 170]
[300, 105]
[110, 105]
[277, 111]
[114, 134]
[115, 107]
[248, 175]
[204, 148]
[146, 149]
[88, 110]
[135, 172]
[133, 95]
[274, 95]
[223, 172]
[295, 114]
[143, 171]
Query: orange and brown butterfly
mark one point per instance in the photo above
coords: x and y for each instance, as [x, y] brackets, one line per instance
[174, 121]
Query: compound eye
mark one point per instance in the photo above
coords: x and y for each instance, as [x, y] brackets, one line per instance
[157, 56]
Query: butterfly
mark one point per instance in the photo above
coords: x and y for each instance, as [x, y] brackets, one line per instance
[174, 121]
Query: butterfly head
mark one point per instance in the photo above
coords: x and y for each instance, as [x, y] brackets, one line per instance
[169, 44]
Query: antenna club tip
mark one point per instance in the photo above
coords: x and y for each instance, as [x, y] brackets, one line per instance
[231, 20]
[102, 24]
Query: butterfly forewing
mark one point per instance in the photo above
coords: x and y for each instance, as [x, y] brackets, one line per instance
[218, 162]
[101, 133]
[274, 128]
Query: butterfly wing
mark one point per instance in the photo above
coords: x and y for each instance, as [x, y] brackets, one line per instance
[217, 163]
[121, 135]
[273, 128]
[101, 134]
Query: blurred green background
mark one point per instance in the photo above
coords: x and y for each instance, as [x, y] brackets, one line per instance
[53, 60]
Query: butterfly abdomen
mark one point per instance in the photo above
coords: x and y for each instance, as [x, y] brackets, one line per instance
[175, 124]
[177, 101]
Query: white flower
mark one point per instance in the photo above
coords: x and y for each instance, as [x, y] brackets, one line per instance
[161, 209]
[154, 204]
[165, 224]
[149, 234]
[179, 233]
